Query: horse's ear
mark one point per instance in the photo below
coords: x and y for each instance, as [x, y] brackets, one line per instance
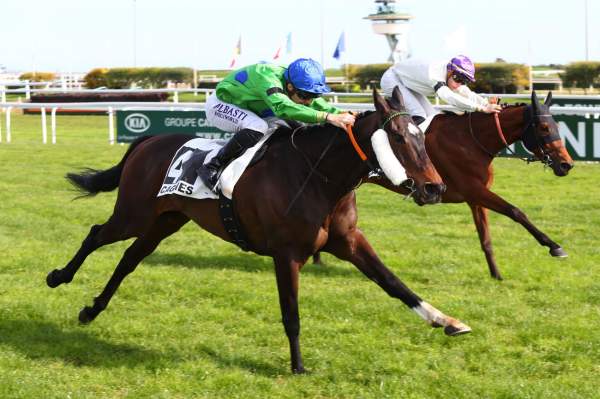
[397, 96]
[548, 99]
[380, 103]
[534, 99]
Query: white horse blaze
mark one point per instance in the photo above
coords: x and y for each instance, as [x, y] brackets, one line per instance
[386, 158]
[413, 129]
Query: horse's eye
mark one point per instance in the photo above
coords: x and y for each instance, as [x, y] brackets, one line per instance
[544, 126]
[399, 138]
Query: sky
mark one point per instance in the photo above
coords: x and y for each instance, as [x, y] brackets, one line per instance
[78, 35]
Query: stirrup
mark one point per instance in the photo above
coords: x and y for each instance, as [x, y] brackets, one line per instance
[209, 179]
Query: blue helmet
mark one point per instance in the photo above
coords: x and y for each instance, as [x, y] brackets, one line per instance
[307, 75]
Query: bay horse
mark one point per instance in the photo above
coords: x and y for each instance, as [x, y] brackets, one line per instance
[462, 148]
[316, 162]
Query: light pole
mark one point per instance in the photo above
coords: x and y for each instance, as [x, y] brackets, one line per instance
[587, 50]
[134, 35]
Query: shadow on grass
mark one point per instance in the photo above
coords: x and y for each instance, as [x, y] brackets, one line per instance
[252, 365]
[38, 339]
[250, 263]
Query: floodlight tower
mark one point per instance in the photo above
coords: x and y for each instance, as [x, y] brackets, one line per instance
[394, 25]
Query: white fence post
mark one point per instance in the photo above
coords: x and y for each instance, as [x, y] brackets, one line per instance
[3, 91]
[8, 136]
[44, 129]
[176, 97]
[111, 126]
[27, 91]
[53, 122]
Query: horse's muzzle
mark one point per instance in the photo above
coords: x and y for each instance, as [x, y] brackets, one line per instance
[431, 193]
[562, 168]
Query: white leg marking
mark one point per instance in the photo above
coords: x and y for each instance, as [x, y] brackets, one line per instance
[430, 314]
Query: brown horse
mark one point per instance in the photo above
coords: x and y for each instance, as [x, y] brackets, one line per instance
[462, 148]
[313, 169]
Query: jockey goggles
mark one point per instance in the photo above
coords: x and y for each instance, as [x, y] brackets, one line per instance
[305, 95]
[459, 79]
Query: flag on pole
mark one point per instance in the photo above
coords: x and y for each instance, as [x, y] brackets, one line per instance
[341, 47]
[236, 52]
[288, 47]
[288, 44]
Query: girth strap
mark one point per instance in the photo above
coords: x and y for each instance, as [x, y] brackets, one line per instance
[231, 224]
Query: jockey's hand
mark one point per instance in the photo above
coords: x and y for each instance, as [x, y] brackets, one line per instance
[341, 120]
[494, 100]
[491, 109]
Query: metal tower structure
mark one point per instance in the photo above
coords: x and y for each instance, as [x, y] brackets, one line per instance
[394, 26]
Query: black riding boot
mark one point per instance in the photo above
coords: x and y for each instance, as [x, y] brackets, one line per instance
[240, 142]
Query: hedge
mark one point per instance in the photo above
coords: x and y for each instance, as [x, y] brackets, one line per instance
[123, 78]
[38, 76]
[365, 75]
[583, 74]
[500, 77]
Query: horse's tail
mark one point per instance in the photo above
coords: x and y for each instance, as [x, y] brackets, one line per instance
[92, 181]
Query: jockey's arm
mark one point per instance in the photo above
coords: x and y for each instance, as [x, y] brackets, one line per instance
[464, 91]
[320, 104]
[460, 101]
[283, 107]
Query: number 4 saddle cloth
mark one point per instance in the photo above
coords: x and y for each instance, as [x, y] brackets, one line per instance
[173, 184]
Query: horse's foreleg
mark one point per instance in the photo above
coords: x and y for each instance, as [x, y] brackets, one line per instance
[496, 203]
[480, 217]
[286, 271]
[355, 248]
[317, 258]
[143, 246]
[98, 236]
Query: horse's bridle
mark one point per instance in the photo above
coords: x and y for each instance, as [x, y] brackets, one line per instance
[313, 167]
[528, 137]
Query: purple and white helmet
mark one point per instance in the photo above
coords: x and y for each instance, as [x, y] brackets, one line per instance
[462, 66]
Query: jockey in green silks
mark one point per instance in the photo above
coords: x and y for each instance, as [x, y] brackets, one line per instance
[248, 101]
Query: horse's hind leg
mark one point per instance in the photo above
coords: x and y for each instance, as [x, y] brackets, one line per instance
[164, 226]
[480, 217]
[98, 236]
[354, 247]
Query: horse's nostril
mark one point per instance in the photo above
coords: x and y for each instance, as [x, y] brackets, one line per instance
[434, 189]
[565, 166]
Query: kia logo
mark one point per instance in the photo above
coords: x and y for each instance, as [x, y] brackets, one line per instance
[137, 123]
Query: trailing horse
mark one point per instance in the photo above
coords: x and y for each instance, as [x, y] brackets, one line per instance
[462, 148]
[288, 205]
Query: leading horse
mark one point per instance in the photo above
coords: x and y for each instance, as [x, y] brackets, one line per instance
[287, 204]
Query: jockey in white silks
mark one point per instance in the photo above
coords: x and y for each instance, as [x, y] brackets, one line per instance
[417, 80]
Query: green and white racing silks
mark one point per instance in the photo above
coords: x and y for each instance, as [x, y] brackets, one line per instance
[260, 88]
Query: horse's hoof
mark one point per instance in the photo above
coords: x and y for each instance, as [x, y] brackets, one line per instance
[497, 277]
[558, 252]
[52, 279]
[457, 329]
[300, 370]
[85, 316]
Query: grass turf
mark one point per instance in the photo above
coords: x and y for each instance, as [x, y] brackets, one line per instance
[200, 318]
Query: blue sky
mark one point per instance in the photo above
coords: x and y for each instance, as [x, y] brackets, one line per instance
[77, 35]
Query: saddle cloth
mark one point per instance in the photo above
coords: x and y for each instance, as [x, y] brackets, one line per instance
[229, 177]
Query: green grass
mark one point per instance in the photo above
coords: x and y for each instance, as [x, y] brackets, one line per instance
[200, 318]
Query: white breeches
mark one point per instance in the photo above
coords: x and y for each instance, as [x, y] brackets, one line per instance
[416, 103]
[231, 118]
